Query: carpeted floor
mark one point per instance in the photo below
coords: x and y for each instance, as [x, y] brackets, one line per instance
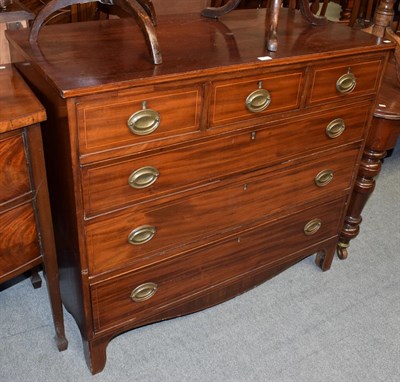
[303, 325]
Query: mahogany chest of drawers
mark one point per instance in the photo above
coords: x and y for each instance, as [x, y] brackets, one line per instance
[178, 186]
[25, 220]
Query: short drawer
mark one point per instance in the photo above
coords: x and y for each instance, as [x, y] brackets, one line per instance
[140, 294]
[152, 231]
[121, 120]
[344, 80]
[251, 97]
[19, 241]
[118, 185]
[14, 174]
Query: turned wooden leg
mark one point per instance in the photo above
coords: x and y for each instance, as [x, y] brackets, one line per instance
[365, 183]
[382, 136]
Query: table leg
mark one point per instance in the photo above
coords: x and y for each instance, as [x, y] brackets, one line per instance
[215, 12]
[272, 15]
[141, 10]
[272, 22]
[48, 248]
[383, 136]
[36, 280]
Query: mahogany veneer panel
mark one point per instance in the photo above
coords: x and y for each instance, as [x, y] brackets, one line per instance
[180, 278]
[271, 192]
[182, 168]
[19, 246]
[14, 176]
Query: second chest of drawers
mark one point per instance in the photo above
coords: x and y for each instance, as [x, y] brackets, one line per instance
[26, 232]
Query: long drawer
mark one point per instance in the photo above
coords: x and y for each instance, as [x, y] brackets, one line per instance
[19, 240]
[131, 181]
[132, 296]
[14, 175]
[143, 233]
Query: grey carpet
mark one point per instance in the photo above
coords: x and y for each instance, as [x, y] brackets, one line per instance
[303, 325]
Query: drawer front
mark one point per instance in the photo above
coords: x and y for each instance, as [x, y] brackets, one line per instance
[333, 82]
[107, 187]
[177, 226]
[244, 98]
[128, 120]
[19, 242]
[14, 174]
[134, 296]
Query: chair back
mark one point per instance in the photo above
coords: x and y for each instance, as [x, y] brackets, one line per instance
[362, 13]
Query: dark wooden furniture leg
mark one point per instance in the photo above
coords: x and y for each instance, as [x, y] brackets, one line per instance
[383, 133]
[47, 243]
[36, 280]
[272, 16]
[272, 22]
[133, 8]
[324, 258]
[309, 16]
[383, 136]
[215, 12]
[141, 10]
[148, 6]
[347, 9]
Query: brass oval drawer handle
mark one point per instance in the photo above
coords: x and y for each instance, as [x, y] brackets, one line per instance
[323, 178]
[143, 177]
[258, 100]
[312, 227]
[144, 121]
[335, 128]
[346, 83]
[141, 235]
[144, 292]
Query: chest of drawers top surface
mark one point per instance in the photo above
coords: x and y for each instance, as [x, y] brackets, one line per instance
[109, 55]
[19, 107]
